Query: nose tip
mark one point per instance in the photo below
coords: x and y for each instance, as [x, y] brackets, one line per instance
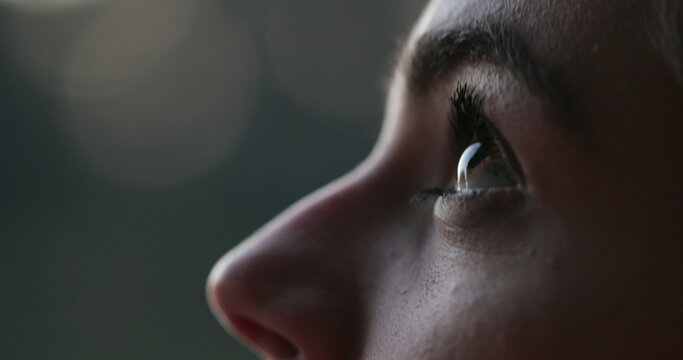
[281, 305]
[226, 295]
[295, 289]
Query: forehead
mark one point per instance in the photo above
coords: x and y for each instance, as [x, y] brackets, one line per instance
[553, 16]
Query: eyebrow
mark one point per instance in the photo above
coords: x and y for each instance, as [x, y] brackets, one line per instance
[438, 51]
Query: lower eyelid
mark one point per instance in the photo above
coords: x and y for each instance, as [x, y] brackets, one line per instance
[467, 209]
[480, 220]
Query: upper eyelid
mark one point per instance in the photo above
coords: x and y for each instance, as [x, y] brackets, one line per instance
[508, 155]
[438, 51]
[429, 196]
[477, 102]
[445, 50]
[467, 113]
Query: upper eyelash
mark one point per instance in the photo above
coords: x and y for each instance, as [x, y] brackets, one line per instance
[427, 197]
[467, 124]
[467, 120]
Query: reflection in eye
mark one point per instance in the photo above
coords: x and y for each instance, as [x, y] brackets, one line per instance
[486, 163]
[482, 164]
[479, 168]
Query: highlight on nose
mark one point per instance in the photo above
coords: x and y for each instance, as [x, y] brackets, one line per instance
[232, 298]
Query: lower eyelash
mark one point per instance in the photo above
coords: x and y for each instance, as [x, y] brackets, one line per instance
[427, 197]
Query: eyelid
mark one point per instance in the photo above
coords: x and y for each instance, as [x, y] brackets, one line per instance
[469, 209]
[506, 152]
[468, 117]
[468, 219]
[431, 197]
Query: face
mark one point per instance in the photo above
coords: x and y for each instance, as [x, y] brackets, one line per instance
[539, 143]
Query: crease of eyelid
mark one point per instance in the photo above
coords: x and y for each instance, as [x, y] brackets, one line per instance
[440, 51]
[507, 153]
[426, 198]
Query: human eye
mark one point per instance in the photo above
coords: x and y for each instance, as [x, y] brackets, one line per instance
[486, 161]
[486, 178]
[486, 190]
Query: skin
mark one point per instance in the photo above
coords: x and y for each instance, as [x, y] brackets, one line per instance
[580, 261]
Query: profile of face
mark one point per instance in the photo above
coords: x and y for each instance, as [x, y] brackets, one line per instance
[524, 200]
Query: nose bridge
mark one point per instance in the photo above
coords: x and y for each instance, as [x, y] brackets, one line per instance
[296, 280]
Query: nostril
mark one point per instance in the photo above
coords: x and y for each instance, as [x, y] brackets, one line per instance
[272, 344]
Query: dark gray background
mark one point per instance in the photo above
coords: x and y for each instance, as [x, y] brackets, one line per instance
[141, 139]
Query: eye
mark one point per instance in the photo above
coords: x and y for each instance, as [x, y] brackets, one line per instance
[484, 191]
[483, 164]
[480, 167]
[486, 162]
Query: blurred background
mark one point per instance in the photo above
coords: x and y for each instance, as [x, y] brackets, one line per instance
[142, 139]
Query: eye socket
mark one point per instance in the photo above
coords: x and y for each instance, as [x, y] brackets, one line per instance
[486, 163]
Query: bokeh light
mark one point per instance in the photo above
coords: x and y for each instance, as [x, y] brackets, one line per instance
[155, 100]
[141, 139]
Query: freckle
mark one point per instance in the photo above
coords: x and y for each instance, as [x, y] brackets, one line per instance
[455, 290]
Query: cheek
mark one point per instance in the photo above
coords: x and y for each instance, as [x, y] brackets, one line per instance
[447, 301]
[451, 302]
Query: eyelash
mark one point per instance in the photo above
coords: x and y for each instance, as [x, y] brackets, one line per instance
[467, 120]
[467, 124]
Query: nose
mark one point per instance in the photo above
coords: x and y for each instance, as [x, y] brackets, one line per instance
[294, 289]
